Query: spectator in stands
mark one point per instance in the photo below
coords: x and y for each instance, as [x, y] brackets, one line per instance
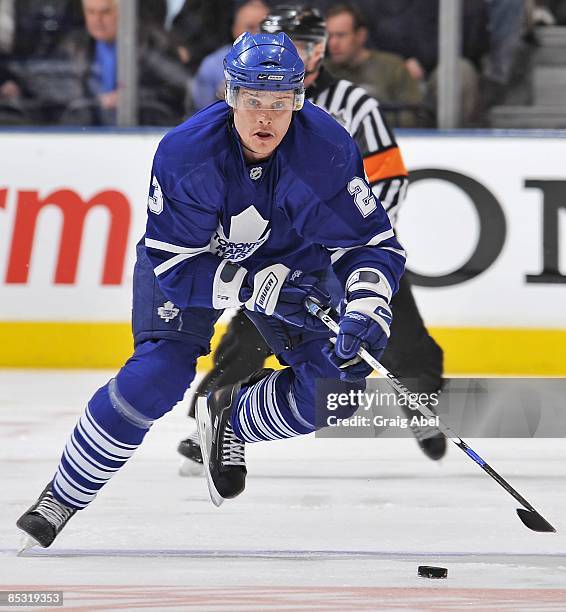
[382, 74]
[506, 28]
[12, 110]
[153, 12]
[7, 26]
[30, 31]
[10, 90]
[199, 28]
[475, 44]
[208, 84]
[173, 9]
[93, 52]
[410, 28]
[160, 12]
[195, 27]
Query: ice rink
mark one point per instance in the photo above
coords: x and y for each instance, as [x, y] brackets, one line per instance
[323, 524]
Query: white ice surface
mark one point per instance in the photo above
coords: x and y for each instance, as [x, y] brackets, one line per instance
[322, 525]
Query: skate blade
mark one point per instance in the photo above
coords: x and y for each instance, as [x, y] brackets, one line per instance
[26, 543]
[204, 428]
[190, 468]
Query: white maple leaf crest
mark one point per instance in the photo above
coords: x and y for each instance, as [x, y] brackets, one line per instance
[248, 231]
[168, 311]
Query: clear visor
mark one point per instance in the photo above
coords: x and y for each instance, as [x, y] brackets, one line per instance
[258, 99]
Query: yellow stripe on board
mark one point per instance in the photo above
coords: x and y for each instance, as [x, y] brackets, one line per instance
[64, 345]
[532, 352]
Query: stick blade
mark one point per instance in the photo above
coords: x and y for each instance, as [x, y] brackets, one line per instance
[533, 520]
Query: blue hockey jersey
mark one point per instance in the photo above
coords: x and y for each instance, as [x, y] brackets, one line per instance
[308, 207]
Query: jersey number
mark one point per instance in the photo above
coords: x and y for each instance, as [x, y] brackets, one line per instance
[363, 197]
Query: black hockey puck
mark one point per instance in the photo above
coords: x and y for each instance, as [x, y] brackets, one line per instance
[428, 571]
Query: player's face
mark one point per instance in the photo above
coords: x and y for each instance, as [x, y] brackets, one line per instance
[262, 119]
[101, 19]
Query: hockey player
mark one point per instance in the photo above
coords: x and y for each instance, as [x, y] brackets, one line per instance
[253, 201]
[411, 352]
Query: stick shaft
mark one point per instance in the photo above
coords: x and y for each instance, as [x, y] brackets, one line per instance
[317, 311]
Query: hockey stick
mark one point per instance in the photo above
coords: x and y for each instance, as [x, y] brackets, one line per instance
[530, 517]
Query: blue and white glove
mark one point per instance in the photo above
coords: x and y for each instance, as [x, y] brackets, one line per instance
[280, 292]
[274, 291]
[364, 321]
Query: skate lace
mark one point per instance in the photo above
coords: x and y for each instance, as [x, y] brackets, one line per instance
[53, 511]
[233, 449]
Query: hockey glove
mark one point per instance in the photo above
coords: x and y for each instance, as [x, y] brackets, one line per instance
[365, 322]
[279, 292]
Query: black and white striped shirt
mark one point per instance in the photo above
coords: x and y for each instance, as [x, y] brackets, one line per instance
[359, 113]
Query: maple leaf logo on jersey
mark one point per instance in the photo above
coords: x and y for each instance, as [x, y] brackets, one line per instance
[248, 231]
[168, 311]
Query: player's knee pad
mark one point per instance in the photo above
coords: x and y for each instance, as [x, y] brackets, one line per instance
[157, 375]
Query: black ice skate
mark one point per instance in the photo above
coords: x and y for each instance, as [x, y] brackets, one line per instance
[43, 522]
[190, 450]
[222, 452]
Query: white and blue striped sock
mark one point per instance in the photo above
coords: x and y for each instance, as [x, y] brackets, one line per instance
[106, 436]
[267, 410]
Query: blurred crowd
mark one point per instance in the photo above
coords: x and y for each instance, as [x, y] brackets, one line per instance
[58, 58]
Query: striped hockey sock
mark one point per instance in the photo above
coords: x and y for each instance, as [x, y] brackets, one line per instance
[267, 411]
[105, 437]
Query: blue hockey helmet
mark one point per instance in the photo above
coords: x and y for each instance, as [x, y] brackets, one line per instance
[268, 62]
